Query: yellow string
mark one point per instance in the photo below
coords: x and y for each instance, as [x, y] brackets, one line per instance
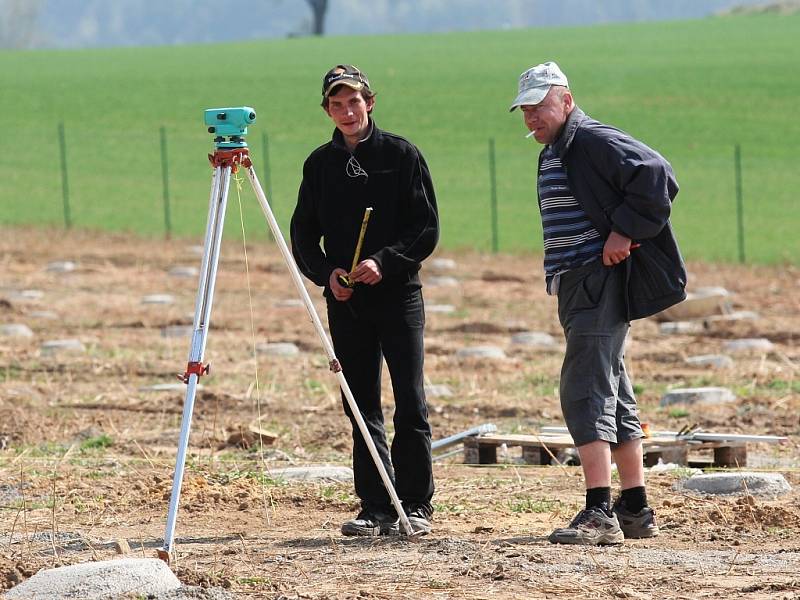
[237, 178]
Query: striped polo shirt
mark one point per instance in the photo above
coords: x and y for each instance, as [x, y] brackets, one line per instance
[570, 239]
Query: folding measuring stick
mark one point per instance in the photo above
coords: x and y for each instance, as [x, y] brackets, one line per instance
[345, 279]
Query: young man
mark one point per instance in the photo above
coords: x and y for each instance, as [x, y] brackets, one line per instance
[610, 256]
[381, 313]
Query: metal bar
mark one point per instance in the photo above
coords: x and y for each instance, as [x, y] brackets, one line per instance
[334, 362]
[457, 437]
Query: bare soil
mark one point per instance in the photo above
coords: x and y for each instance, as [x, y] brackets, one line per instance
[87, 454]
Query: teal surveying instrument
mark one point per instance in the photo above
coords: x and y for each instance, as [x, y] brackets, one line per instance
[229, 125]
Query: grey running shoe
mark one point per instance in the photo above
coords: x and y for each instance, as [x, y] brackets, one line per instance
[636, 525]
[590, 527]
[420, 519]
[371, 523]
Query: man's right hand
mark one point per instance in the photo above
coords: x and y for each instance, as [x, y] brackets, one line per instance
[341, 293]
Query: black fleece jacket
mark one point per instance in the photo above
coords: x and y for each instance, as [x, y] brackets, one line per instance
[394, 180]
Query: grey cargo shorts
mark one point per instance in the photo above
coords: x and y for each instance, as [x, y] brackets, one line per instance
[597, 397]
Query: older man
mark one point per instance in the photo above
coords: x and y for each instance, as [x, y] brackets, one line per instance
[609, 256]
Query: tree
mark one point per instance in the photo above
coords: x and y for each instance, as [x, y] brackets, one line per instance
[18, 23]
[318, 10]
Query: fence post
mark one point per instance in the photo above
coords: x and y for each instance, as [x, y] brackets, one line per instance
[165, 183]
[493, 196]
[62, 144]
[739, 204]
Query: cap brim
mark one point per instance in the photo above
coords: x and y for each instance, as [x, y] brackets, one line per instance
[356, 85]
[531, 96]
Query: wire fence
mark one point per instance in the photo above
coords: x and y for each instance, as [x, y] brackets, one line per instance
[152, 182]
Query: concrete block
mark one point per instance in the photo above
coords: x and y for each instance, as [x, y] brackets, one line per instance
[313, 473]
[106, 579]
[757, 484]
[16, 330]
[278, 349]
[748, 345]
[62, 346]
[701, 395]
[488, 352]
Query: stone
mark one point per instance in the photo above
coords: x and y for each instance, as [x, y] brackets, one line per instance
[748, 345]
[313, 473]
[679, 327]
[700, 395]
[756, 484]
[121, 546]
[186, 272]
[438, 391]
[63, 266]
[158, 299]
[533, 339]
[137, 577]
[167, 387]
[441, 281]
[62, 346]
[26, 295]
[278, 349]
[177, 331]
[290, 303]
[440, 308]
[16, 330]
[442, 264]
[703, 302]
[43, 314]
[490, 352]
[715, 361]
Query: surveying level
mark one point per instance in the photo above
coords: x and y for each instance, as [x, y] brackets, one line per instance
[231, 123]
[345, 279]
[230, 154]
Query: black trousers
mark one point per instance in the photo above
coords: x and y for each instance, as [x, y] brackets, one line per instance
[363, 333]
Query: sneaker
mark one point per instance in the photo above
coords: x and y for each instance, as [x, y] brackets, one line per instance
[371, 523]
[419, 516]
[590, 527]
[636, 525]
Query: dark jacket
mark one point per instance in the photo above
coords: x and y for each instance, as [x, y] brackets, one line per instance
[625, 186]
[404, 225]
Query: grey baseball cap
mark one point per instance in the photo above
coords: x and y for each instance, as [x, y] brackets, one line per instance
[535, 83]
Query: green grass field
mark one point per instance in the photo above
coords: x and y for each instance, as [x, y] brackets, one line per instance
[690, 89]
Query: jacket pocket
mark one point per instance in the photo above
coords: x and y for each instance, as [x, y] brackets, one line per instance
[654, 281]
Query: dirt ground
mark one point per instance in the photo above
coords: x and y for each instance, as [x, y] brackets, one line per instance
[87, 454]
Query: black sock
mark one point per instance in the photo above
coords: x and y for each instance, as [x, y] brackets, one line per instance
[599, 497]
[635, 498]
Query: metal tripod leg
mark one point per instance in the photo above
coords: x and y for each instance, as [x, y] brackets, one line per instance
[202, 313]
[334, 362]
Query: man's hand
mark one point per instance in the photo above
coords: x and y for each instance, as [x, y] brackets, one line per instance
[341, 293]
[367, 271]
[616, 249]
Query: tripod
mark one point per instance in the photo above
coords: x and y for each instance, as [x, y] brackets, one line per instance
[231, 154]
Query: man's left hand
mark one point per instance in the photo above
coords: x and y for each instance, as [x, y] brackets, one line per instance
[367, 271]
[616, 249]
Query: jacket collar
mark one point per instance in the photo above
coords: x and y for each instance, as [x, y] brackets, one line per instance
[564, 141]
[368, 142]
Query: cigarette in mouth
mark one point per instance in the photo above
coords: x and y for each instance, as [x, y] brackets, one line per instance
[531, 134]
